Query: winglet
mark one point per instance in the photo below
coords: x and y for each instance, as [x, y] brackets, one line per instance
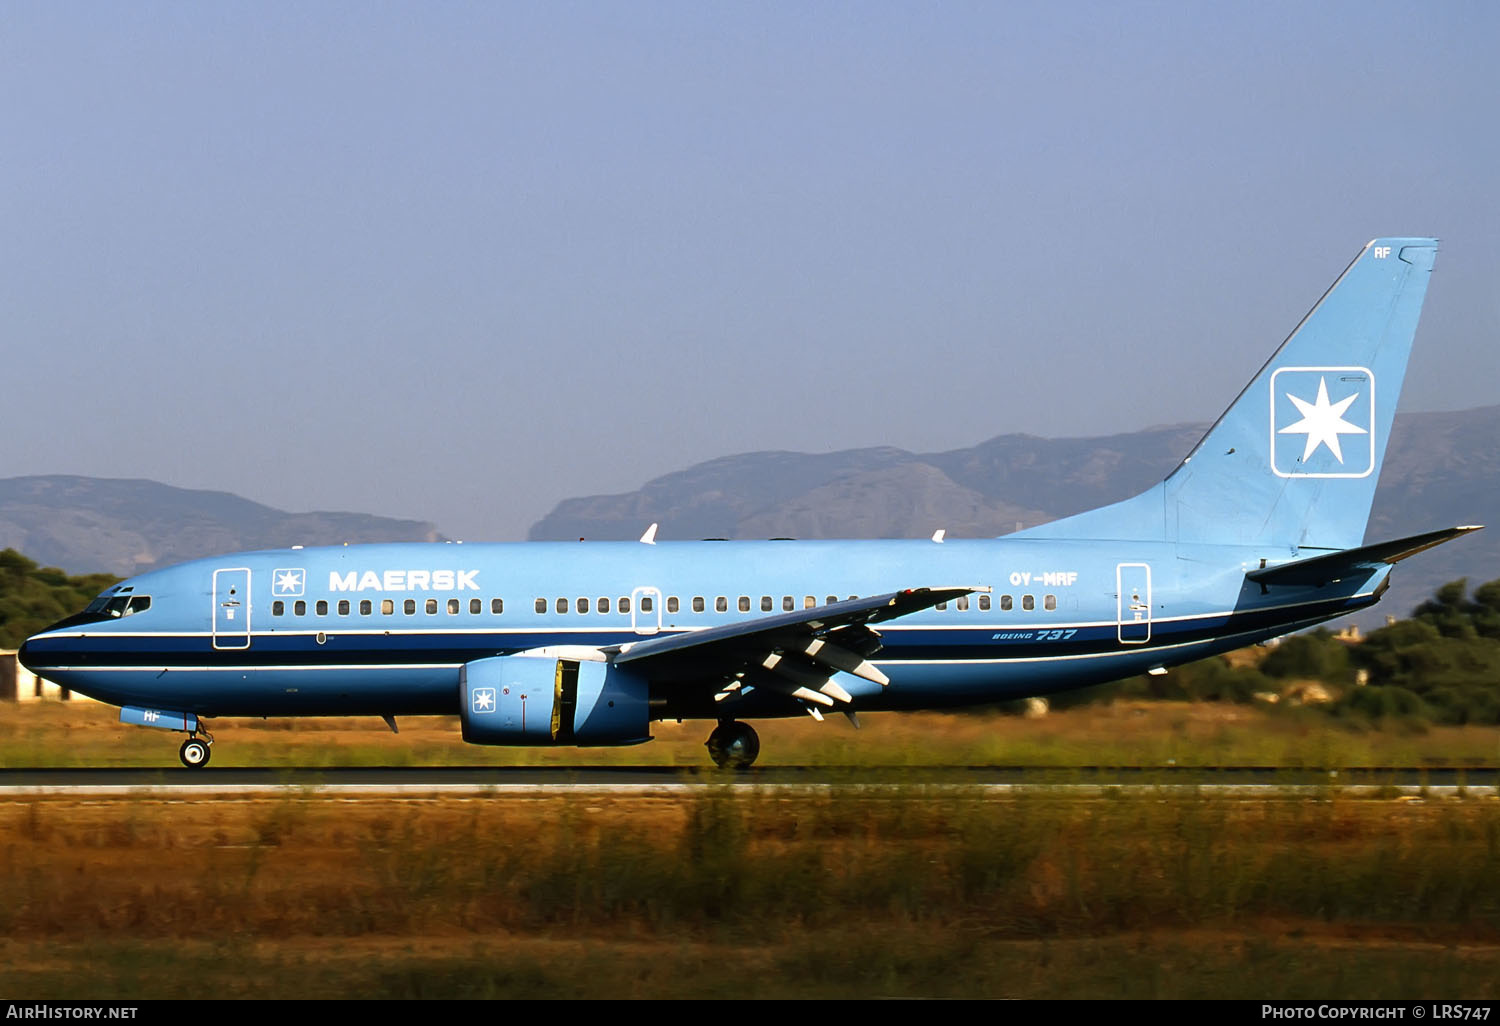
[649, 538]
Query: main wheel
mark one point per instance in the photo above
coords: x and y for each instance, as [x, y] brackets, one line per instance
[733, 745]
[194, 753]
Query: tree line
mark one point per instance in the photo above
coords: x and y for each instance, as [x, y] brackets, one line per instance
[33, 597]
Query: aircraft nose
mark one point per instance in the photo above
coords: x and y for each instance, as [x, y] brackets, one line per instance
[24, 653]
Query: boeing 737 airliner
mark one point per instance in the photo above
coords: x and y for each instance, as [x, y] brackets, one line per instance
[1259, 531]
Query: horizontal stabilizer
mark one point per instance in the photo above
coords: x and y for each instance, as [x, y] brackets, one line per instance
[1319, 570]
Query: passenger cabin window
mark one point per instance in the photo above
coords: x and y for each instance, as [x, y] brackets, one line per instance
[453, 607]
[497, 606]
[941, 606]
[387, 607]
[832, 599]
[962, 604]
[1028, 602]
[697, 603]
[476, 607]
[583, 605]
[624, 605]
[409, 607]
[300, 607]
[365, 607]
[744, 603]
[808, 602]
[984, 603]
[541, 605]
[603, 604]
[562, 605]
[1050, 602]
[671, 604]
[787, 603]
[278, 608]
[322, 607]
[343, 607]
[1005, 603]
[430, 607]
[766, 603]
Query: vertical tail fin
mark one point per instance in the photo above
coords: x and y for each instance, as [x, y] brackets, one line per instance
[1295, 459]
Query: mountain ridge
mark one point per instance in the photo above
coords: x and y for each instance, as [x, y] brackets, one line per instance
[124, 526]
[1441, 469]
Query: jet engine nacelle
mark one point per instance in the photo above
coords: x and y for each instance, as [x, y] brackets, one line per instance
[539, 700]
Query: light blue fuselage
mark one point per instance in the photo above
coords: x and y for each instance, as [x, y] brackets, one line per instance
[1098, 612]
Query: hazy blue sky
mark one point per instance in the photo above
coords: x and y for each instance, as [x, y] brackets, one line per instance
[459, 261]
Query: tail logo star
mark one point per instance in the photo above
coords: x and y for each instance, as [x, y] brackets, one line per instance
[1325, 423]
[1322, 422]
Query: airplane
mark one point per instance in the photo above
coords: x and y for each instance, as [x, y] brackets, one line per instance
[1257, 533]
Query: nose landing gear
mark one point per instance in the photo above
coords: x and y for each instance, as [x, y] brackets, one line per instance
[733, 745]
[195, 752]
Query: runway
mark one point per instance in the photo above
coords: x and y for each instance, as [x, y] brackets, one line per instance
[1078, 781]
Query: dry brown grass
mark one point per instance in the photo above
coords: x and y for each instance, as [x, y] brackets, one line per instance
[723, 895]
[913, 893]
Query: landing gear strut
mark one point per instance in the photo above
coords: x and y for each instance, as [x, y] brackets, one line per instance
[195, 752]
[733, 745]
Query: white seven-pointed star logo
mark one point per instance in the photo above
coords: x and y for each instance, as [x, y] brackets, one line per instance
[484, 699]
[1322, 422]
[288, 582]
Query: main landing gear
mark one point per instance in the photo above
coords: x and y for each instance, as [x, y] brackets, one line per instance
[195, 752]
[733, 745]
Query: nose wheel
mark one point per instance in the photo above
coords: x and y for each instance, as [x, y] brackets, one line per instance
[733, 745]
[194, 753]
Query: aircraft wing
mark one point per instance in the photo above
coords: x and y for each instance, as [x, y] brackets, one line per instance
[1319, 570]
[797, 653]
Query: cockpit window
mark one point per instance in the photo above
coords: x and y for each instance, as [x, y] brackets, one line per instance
[113, 605]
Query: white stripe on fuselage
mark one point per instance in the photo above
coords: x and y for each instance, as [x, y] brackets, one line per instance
[334, 630]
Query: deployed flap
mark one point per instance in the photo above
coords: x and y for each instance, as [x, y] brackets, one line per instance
[1320, 570]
